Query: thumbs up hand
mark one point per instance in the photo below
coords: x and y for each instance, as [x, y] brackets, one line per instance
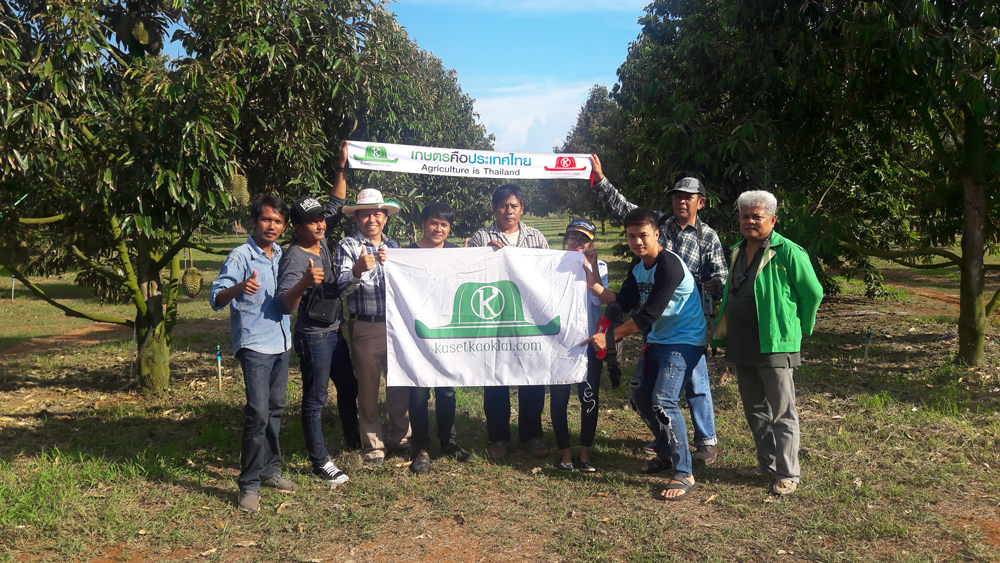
[251, 284]
[313, 276]
[365, 262]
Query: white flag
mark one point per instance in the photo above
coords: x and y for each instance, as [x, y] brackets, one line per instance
[473, 317]
[470, 163]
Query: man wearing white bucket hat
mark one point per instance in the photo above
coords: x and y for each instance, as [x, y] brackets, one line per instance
[358, 262]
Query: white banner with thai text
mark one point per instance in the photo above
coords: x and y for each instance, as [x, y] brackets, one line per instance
[458, 162]
[474, 317]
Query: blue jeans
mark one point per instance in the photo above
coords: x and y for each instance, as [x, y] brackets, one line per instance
[265, 377]
[321, 355]
[662, 372]
[698, 393]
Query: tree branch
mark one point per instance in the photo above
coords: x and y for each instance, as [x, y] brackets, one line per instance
[922, 266]
[95, 266]
[131, 281]
[955, 260]
[178, 245]
[206, 249]
[991, 307]
[925, 116]
[41, 220]
[70, 312]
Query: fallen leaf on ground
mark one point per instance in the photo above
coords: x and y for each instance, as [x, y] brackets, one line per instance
[246, 543]
[219, 524]
[603, 494]
[420, 537]
[302, 528]
[404, 464]
[605, 520]
[209, 552]
[284, 505]
[710, 499]
[837, 416]
[143, 532]
[857, 482]
[536, 470]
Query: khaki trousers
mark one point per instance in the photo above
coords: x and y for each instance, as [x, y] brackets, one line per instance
[368, 354]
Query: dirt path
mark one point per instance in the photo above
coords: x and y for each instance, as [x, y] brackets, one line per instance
[94, 333]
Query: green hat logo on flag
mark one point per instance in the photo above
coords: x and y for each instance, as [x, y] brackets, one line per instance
[374, 153]
[487, 310]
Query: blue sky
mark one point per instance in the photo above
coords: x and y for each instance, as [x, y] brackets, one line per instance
[528, 63]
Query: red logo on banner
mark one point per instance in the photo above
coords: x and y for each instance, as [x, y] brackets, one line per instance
[566, 164]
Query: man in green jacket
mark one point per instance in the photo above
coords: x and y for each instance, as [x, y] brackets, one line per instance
[771, 300]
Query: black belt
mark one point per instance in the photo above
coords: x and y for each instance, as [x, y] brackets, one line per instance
[368, 318]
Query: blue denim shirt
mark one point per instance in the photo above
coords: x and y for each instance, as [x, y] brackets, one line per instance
[256, 321]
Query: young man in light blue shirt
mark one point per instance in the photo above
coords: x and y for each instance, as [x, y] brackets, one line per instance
[262, 343]
[669, 314]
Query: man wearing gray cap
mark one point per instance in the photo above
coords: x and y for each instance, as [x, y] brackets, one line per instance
[699, 247]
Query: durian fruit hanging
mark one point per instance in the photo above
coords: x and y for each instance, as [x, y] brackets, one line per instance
[237, 186]
[191, 281]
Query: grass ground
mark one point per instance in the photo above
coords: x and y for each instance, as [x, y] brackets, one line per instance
[898, 456]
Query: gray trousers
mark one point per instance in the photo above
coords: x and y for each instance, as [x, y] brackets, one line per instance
[768, 395]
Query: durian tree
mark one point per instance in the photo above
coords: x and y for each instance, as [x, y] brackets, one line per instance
[114, 155]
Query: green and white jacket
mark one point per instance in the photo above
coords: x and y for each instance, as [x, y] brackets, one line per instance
[787, 294]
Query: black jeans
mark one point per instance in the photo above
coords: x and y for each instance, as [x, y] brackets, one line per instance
[265, 377]
[420, 420]
[322, 356]
[496, 406]
[589, 394]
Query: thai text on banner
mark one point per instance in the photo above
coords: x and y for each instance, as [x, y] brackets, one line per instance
[459, 162]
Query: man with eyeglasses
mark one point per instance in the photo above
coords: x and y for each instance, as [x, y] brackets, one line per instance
[700, 249]
[770, 300]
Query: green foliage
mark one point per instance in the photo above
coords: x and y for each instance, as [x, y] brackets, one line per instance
[114, 157]
[874, 123]
[422, 104]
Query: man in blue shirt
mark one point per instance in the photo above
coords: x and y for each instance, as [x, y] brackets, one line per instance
[669, 312]
[262, 343]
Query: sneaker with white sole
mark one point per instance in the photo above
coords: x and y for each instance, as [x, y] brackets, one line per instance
[330, 474]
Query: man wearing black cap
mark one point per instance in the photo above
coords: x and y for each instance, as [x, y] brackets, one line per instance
[699, 247]
[307, 282]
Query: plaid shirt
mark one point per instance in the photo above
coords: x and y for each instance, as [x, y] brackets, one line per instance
[364, 295]
[705, 260]
[527, 238]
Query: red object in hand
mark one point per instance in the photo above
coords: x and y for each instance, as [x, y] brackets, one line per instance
[602, 328]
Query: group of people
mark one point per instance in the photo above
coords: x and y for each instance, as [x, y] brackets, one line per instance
[769, 292]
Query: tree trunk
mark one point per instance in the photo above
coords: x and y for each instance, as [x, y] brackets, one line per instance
[152, 328]
[972, 321]
[154, 358]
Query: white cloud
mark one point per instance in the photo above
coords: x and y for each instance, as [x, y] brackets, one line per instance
[535, 6]
[531, 117]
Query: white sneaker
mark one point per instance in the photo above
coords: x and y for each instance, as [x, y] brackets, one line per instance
[330, 474]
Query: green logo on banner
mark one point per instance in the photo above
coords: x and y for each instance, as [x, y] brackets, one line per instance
[487, 310]
[375, 153]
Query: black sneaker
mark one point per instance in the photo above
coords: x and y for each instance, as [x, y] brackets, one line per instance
[329, 473]
[421, 464]
[460, 453]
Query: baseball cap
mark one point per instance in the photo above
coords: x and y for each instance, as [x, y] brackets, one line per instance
[689, 186]
[585, 226]
[305, 210]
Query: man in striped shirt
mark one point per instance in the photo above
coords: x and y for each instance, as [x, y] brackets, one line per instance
[361, 278]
